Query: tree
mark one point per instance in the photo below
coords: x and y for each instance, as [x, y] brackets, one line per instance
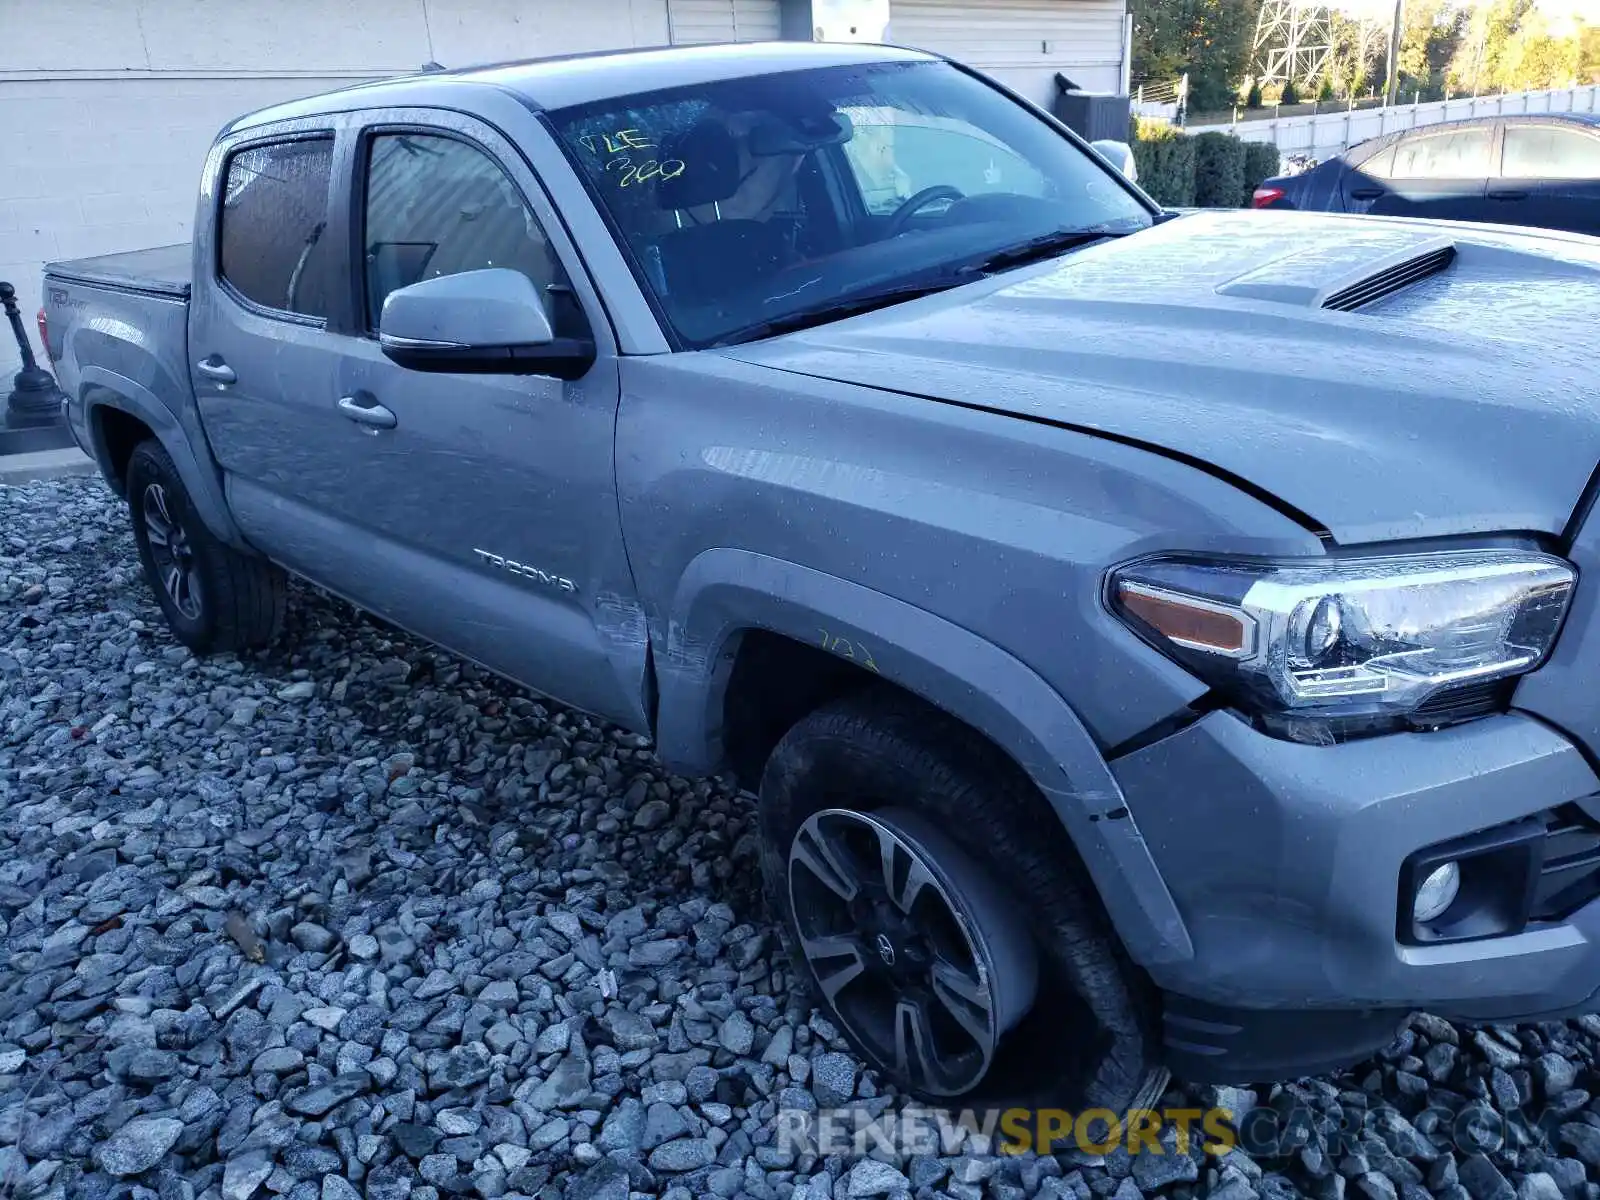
[1480, 60]
[1536, 61]
[1291, 94]
[1159, 48]
[1459, 46]
[1589, 54]
[1535, 58]
[1208, 39]
[1358, 48]
[1325, 89]
[1430, 40]
[1253, 100]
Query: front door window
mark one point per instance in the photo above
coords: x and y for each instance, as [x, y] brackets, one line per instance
[437, 206]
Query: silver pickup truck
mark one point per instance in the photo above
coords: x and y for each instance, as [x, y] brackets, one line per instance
[1155, 644]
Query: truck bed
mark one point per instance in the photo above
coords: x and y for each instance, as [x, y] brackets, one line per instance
[160, 270]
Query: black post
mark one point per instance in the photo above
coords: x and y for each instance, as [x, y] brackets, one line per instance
[35, 399]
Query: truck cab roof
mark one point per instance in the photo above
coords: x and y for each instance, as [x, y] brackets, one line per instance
[552, 83]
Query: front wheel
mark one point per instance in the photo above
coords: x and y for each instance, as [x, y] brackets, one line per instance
[941, 916]
[214, 598]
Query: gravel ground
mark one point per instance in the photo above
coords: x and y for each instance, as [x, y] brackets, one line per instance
[349, 919]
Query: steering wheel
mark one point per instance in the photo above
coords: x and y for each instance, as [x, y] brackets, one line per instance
[909, 209]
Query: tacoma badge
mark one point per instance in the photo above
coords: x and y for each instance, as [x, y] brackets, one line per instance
[527, 572]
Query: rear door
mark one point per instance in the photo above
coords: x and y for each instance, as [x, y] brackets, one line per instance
[265, 308]
[1438, 173]
[1549, 176]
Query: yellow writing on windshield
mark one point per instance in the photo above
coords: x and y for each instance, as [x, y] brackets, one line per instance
[632, 172]
[619, 142]
[620, 146]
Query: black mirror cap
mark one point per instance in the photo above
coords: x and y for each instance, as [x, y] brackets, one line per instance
[563, 358]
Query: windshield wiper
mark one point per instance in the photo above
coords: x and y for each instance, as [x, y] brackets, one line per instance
[848, 306]
[1031, 250]
[1040, 247]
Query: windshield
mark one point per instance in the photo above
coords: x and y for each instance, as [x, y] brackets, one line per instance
[749, 204]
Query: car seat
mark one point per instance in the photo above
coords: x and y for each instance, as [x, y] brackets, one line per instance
[721, 257]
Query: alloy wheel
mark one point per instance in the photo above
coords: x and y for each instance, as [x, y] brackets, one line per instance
[924, 960]
[172, 552]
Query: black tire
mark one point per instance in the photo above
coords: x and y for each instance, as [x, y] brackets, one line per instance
[884, 752]
[222, 600]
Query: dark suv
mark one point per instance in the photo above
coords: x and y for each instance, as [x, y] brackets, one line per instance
[1539, 170]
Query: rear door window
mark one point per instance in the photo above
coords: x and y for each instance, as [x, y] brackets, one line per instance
[272, 248]
[1550, 152]
[1458, 154]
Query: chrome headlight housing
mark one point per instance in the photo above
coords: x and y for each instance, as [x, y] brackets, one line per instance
[1348, 644]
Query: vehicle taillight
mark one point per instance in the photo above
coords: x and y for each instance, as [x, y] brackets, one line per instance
[1264, 196]
[44, 334]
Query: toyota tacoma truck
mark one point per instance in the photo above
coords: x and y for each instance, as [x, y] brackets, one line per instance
[1155, 645]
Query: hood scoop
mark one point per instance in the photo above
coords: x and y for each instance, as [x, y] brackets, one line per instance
[1391, 280]
[1348, 275]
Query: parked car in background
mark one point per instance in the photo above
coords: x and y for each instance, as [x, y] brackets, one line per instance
[1539, 170]
[1136, 631]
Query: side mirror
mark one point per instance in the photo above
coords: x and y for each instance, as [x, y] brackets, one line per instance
[1119, 155]
[479, 322]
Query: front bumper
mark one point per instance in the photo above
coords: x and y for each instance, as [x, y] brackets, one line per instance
[1286, 862]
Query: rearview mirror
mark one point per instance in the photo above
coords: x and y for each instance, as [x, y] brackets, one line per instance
[773, 137]
[488, 321]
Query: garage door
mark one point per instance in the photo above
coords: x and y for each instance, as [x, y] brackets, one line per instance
[1023, 43]
[722, 20]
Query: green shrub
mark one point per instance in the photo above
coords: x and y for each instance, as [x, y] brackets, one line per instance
[1261, 161]
[1326, 92]
[1253, 100]
[1166, 162]
[1291, 94]
[1219, 171]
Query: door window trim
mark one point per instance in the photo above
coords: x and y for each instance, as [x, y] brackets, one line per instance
[329, 134]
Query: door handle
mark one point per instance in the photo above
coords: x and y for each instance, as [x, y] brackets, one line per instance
[1511, 195]
[1366, 193]
[371, 414]
[215, 368]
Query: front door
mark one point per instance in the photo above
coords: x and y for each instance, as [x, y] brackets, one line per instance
[489, 501]
[1441, 174]
[1549, 176]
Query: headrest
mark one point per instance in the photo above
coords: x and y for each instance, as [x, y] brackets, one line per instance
[710, 158]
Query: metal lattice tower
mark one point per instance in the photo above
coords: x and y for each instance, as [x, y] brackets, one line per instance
[1294, 40]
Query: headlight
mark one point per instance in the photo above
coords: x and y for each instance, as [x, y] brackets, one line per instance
[1342, 645]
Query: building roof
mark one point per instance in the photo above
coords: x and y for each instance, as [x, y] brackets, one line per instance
[549, 83]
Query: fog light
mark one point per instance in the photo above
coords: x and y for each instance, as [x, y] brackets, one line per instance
[1437, 893]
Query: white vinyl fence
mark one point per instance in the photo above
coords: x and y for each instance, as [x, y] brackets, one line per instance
[1331, 133]
[1162, 101]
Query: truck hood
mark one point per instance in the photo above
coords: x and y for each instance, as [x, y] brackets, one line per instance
[1461, 397]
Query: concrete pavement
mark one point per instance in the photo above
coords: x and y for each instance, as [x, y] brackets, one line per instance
[18, 469]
